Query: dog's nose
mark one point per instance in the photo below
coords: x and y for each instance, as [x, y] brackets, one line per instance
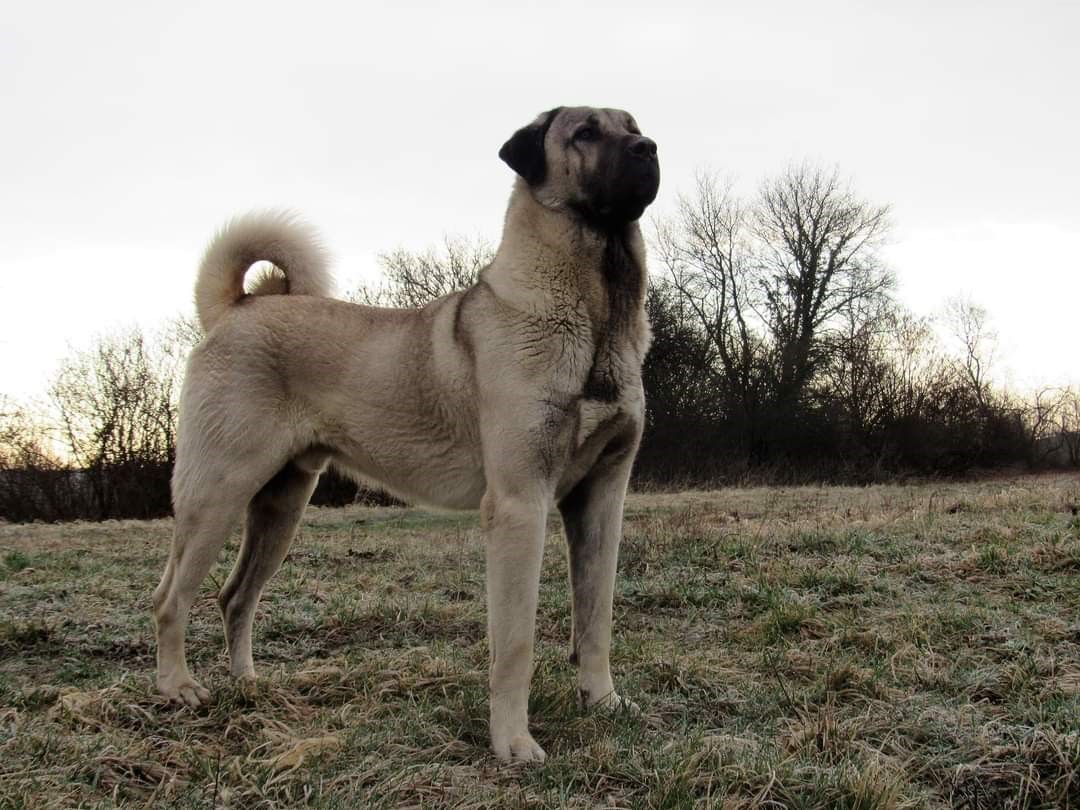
[643, 147]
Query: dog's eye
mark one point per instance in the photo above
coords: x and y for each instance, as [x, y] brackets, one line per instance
[586, 134]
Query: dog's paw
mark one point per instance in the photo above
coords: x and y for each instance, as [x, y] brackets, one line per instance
[518, 748]
[186, 691]
[244, 674]
[610, 702]
[617, 703]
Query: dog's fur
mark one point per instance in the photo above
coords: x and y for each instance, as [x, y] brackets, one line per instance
[520, 392]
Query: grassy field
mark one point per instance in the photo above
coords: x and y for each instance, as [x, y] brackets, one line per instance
[893, 646]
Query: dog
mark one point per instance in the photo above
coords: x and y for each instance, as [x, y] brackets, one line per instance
[519, 393]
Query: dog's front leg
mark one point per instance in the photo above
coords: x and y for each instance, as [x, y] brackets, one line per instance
[514, 532]
[592, 516]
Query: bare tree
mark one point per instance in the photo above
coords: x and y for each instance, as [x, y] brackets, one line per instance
[415, 279]
[116, 404]
[35, 483]
[1039, 415]
[1068, 423]
[816, 248]
[707, 254]
[24, 439]
[181, 334]
[969, 323]
[778, 286]
[680, 368]
[915, 365]
[855, 370]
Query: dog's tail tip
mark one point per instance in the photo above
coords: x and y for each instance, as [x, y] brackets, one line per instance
[282, 238]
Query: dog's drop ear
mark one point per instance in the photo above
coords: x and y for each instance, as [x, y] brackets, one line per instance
[524, 152]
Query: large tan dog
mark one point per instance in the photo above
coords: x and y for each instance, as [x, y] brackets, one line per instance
[518, 393]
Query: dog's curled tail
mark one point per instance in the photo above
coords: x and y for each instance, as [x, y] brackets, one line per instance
[291, 246]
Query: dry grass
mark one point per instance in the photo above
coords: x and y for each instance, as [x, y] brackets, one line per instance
[887, 647]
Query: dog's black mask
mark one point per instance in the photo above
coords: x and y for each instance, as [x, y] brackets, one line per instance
[625, 183]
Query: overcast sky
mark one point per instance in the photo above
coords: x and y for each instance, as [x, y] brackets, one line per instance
[132, 130]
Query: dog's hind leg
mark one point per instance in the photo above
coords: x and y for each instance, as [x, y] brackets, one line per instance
[272, 518]
[201, 529]
[210, 490]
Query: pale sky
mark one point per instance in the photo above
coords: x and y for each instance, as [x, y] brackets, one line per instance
[132, 130]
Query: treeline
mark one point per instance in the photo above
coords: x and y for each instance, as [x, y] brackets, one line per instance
[779, 354]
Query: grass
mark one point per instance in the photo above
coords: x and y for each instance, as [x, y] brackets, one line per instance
[886, 647]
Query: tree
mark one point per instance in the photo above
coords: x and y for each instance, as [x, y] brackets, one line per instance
[680, 380]
[181, 334]
[414, 279]
[116, 404]
[915, 365]
[34, 483]
[1068, 422]
[817, 262]
[707, 256]
[855, 360]
[969, 323]
[24, 440]
[778, 286]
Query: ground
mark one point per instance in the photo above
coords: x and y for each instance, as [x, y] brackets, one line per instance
[881, 647]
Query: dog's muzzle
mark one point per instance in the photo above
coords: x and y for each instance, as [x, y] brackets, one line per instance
[642, 170]
[625, 185]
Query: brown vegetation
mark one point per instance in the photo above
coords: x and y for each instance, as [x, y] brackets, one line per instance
[881, 647]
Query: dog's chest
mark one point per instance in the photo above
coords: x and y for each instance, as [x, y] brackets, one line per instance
[612, 383]
[611, 389]
[594, 417]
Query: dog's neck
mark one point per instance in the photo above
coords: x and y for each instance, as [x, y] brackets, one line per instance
[549, 258]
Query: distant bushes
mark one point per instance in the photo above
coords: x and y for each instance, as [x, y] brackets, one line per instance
[911, 410]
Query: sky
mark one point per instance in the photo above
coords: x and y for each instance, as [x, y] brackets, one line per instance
[132, 130]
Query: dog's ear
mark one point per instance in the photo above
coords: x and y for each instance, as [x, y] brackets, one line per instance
[524, 152]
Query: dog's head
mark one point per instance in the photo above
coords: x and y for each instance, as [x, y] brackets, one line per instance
[593, 163]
